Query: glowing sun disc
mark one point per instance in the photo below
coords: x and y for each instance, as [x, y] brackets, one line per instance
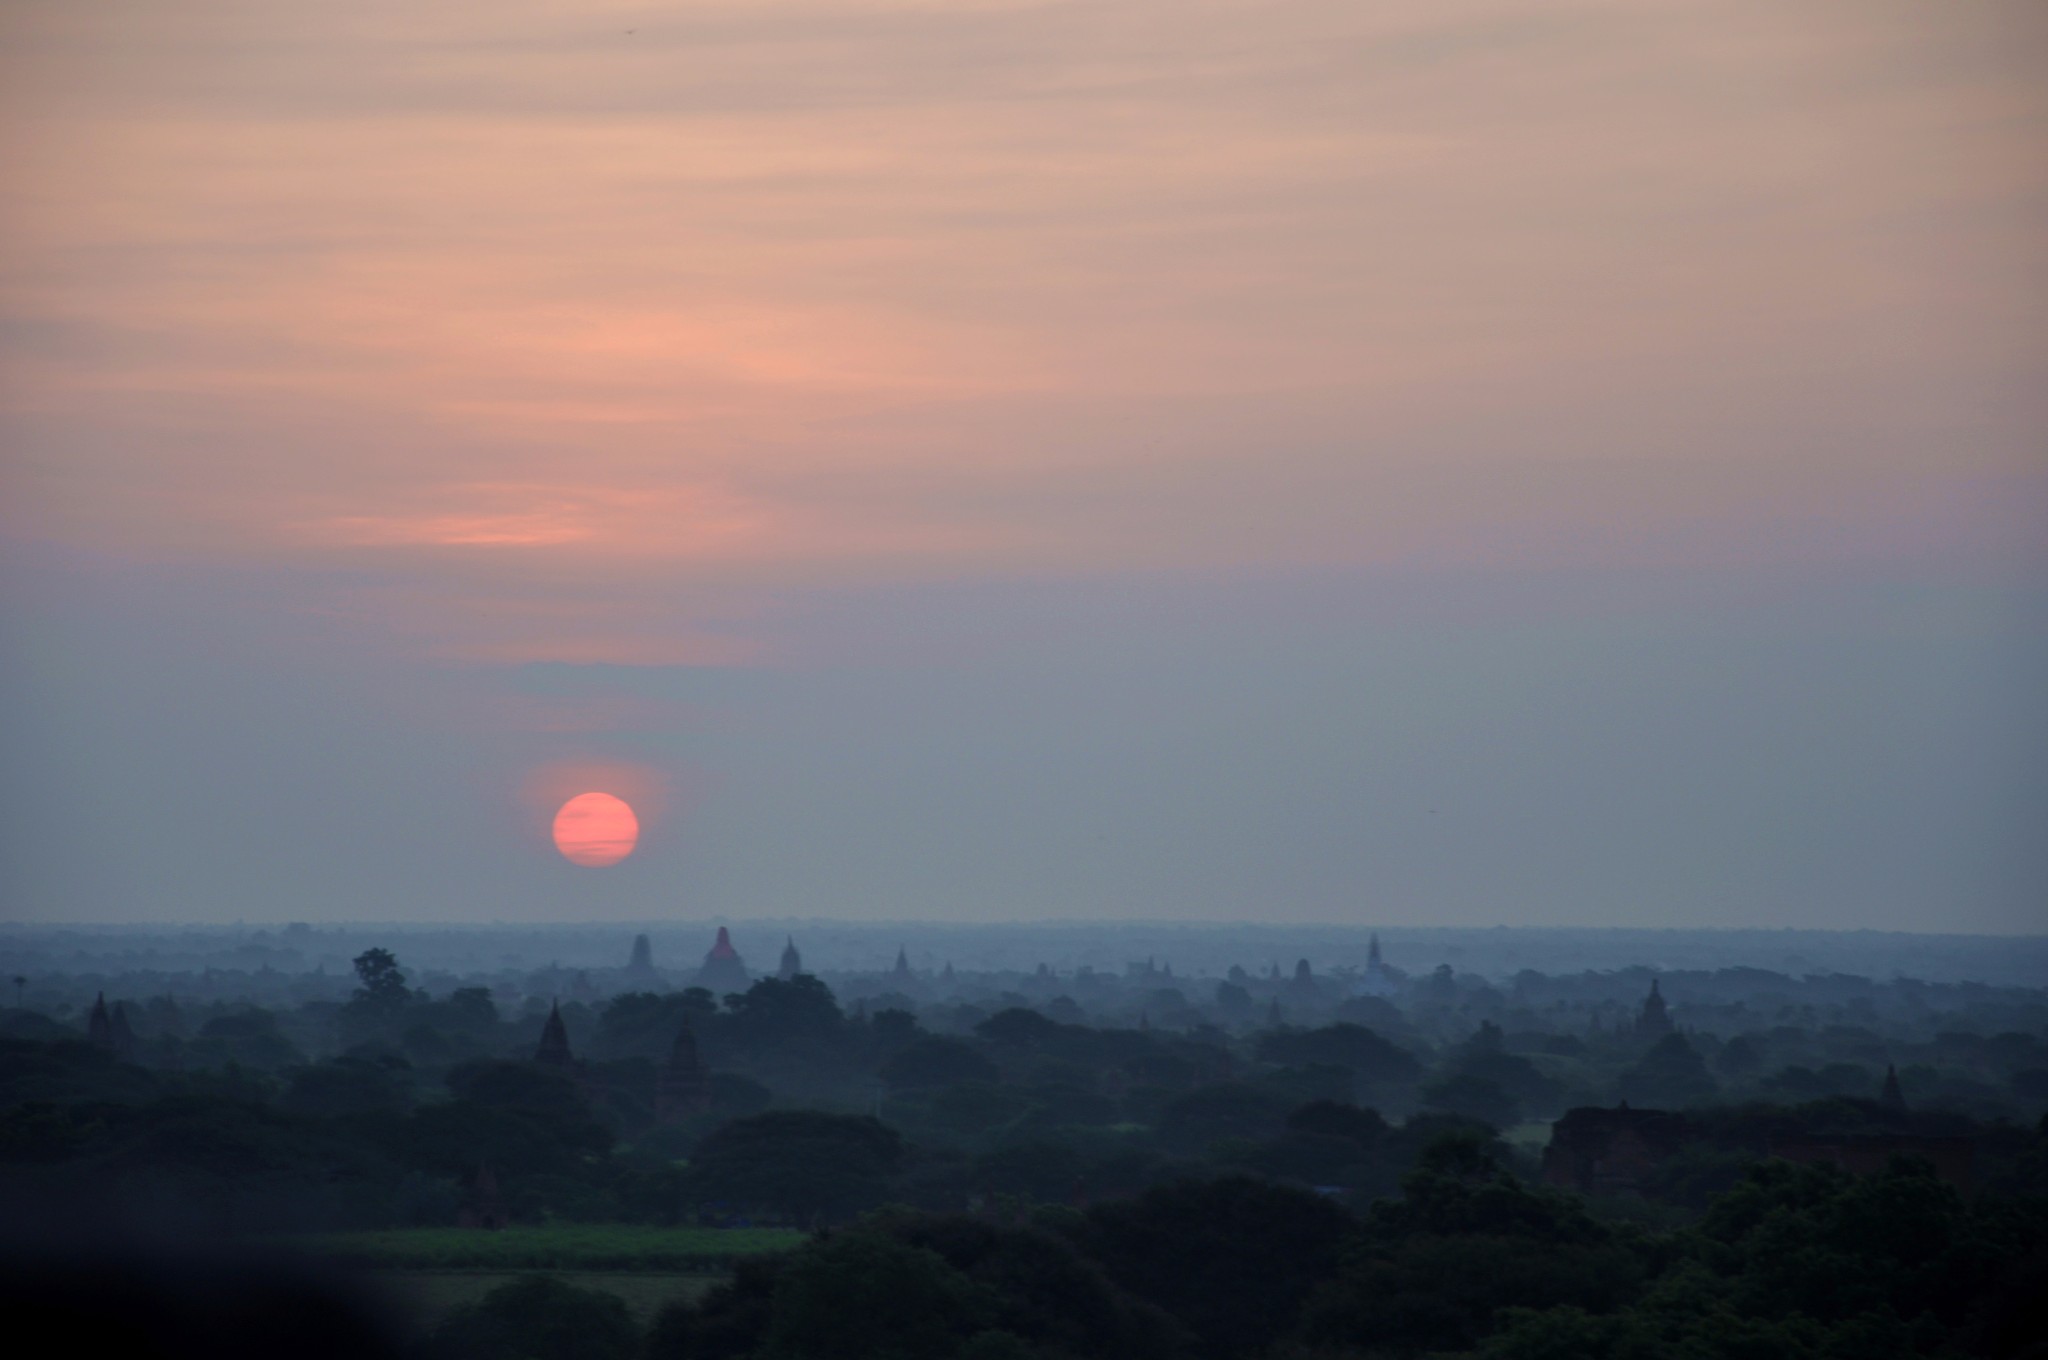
[596, 829]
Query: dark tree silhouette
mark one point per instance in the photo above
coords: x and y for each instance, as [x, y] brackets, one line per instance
[383, 982]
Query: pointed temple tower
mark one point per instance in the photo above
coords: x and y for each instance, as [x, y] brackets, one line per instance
[901, 972]
[1891, 1097]
[641, 974]
[1655, 1021]
[109, 1030]
[682, 1087]
[792, 962]
[724, 970]
[1377, 981]
[99, 1027]
[553, 1055]
[553, 1052]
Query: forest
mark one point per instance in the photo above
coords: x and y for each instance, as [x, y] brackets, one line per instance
[1284, 1163]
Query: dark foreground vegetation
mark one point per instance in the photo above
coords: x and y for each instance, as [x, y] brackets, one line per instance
[1272, 1167]
[1793, 1262]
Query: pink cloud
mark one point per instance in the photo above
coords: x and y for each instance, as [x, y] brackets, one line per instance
[819, 291]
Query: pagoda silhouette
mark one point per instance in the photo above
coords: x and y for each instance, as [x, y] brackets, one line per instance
[724, 970]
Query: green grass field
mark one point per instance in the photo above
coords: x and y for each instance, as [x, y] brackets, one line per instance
[601, 1247]
[427, 1297]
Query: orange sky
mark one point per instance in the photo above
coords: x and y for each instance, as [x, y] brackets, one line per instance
[504, 295]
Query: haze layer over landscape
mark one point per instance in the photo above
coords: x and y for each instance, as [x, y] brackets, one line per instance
[1428, 464]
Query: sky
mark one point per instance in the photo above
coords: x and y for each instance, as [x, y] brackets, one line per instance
[1430, 463]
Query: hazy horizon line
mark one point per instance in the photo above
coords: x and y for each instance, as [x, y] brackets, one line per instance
[1062, 923]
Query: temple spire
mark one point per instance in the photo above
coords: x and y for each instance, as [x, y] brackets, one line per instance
[554, 1041]
[640, 966]
[724, 970]
[1655, 1019]
[682, 1086]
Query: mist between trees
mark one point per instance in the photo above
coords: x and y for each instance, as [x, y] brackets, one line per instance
[1375, 1156]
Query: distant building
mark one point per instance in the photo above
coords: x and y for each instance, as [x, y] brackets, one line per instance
[1598, 1151]
[640, 971]
[553, 1052]
[1304, 984]
[1654, 1021]
[108, 1030]
[1378, 979]
[792, 962]
[1891, 1097]
[724, 970]
[901, 972]
[553, 1055]
[682, 1087]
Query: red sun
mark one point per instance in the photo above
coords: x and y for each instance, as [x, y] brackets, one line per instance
[596, 829]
